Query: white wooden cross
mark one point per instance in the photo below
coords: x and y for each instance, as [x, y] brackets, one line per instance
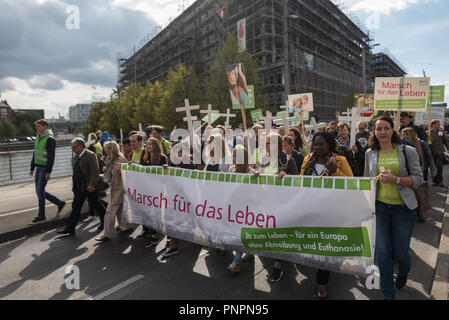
[268, 121]
[142, 134]
[189, 119]
[285, 121]
[315, 126]
[351, 118]
[228, 115]
[286, 107]
[209, 112]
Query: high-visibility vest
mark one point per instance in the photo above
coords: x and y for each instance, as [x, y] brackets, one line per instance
[40, 150]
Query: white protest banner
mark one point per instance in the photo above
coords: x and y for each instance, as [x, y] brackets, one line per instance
[323, 222]
[401, 94]
[438, 113]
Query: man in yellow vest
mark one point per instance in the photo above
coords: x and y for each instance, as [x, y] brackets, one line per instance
[42, 162]
[158, 133]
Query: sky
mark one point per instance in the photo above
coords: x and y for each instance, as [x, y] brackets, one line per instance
[51, 60]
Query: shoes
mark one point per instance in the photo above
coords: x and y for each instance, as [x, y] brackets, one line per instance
[401, 281]
[61, 206]
[321, 291]
[234, 267]
[89, 218]
[100, 228]
[170, 252]
[420, 218]
[72, 233]
[153, 242]
[102, 238]
[143, 234]
[38, 219]
[120, 231]
[276, 274]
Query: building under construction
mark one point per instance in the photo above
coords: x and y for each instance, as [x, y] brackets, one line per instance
[300, 45]
[384, 64]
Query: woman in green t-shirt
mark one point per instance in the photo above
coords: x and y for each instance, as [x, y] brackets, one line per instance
[398, 170]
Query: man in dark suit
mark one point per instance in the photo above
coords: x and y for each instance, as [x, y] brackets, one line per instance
[85, 177]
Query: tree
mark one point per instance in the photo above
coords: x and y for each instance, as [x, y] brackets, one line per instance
[182, 83]
[149, 100]
[95, 117]
[217, 89]
[350, 98]
[28, 116]
[7, 129]
[126, 107]
[24, 129]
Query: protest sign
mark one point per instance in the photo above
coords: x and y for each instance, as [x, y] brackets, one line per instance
[438, 113]
[401, 94]
[256, 115]
[436, 94]
[364, 104]
[300, 103]
[301, 219]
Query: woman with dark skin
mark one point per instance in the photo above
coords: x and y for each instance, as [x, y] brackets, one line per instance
[324, 161]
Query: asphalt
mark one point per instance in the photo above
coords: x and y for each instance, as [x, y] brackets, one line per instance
[34, 263]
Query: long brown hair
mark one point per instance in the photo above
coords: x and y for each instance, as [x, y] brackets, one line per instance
[155, 156]
[374, 144]
[238, 166]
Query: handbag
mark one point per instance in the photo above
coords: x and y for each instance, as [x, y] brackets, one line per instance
[101, 185]
[421, 193]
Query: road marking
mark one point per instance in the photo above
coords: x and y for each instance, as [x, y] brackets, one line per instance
[26, 210]
[117, 288]
[33, 195]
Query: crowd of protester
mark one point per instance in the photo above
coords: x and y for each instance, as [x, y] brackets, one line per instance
[400, 161]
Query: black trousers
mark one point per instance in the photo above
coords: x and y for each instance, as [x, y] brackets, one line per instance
[77, 205]
[439, 161]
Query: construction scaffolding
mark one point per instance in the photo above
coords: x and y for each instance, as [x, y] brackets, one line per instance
[325, 48]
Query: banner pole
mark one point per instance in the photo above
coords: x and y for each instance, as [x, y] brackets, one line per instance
[244, 125]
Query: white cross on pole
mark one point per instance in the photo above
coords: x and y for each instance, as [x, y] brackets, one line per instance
[268, 121]
[286, 107]
[285, 121]
[228, 115]
[351, 118]
[189, 119]
[142, 134]
[315, 126]
[209, 112]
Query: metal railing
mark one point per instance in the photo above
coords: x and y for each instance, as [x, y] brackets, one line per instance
[15, 165]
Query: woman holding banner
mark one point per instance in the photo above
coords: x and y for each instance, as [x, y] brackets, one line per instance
[324, 161]
[295, 135]
[153, 156]
[240, 158]
[276, 162]
[113, 176]
[398, 171]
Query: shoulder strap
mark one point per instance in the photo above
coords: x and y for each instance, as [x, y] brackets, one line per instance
[406, 159]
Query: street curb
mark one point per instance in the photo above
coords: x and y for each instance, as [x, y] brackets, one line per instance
[38, 228]
[440, 287]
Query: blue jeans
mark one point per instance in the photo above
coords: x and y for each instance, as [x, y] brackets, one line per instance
[394, 230]
[41, 182]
